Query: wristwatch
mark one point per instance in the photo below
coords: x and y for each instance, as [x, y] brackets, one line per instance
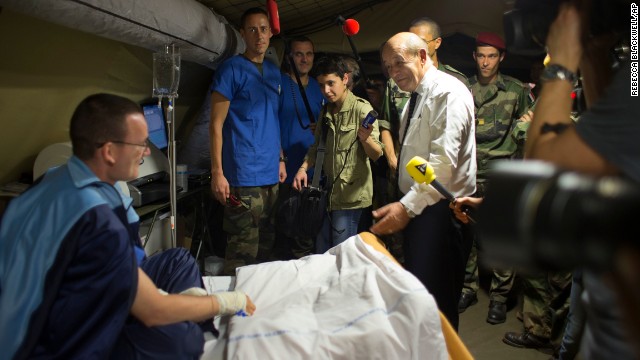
[557, 71]
[283, 159]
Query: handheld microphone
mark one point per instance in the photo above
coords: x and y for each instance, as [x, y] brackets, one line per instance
[274, 17]
[350, 27]
[369, 119]
[422, 172]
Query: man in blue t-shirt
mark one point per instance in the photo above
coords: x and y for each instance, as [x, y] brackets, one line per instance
[245, 144]
[296, 131]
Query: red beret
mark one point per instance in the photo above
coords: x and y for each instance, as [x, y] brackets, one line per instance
[491, 39]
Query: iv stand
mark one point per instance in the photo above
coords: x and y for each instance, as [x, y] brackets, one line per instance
[171, 116]
[166, 78]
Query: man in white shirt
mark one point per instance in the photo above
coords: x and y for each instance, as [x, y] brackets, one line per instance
[440, 129]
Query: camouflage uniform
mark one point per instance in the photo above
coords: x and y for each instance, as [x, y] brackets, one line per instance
[499, 135]
[249, 226]
[545, 302]
[390, 120]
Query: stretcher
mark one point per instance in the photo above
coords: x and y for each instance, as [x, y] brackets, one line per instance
[353, 302]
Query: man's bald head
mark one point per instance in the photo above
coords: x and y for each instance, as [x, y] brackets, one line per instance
[405, 57]
[409, 43]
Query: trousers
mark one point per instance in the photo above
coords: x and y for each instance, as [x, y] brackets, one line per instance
[173, 271]
[436, 252]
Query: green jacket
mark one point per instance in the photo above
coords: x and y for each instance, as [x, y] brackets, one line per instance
[498, 106]
[354, 187]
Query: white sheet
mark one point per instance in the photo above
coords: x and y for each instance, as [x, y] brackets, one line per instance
[350, 303]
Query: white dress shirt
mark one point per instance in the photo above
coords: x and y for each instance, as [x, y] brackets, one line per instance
[442, 131]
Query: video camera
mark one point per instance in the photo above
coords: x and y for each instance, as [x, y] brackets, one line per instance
[538, 217]
[526, 26]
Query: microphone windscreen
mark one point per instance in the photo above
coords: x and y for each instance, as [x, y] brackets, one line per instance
[369, 119]
[350, 27]
[420, 170]
[274, 18]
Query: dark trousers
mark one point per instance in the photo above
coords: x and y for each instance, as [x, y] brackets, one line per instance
[172, 270]
[436, 253]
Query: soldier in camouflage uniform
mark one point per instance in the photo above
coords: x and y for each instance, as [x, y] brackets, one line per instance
[393, 102]
[500, 103]
[544, 309]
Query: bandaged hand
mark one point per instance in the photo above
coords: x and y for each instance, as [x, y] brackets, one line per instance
[232, 302]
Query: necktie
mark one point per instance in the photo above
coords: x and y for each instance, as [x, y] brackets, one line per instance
[412, 106]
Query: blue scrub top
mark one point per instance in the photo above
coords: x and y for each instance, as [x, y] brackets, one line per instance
[296, 140]
[251, 131]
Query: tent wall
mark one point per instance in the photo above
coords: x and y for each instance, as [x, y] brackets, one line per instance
[47, 69]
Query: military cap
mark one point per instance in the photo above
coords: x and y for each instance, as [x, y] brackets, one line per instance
[491, 39]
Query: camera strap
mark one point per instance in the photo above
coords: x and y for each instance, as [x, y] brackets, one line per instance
[317, 174]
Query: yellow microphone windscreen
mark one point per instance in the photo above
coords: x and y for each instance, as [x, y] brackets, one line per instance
[420, 170]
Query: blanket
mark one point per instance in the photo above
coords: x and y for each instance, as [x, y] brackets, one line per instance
[350, 303]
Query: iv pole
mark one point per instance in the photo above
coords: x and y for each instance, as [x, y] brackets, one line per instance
[166, 78]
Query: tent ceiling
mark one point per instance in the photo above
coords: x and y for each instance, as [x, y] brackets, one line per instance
[297, 17]
[459, 20]
[378, 18]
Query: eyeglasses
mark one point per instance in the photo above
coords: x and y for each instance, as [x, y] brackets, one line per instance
[428, 41]
[145, 145]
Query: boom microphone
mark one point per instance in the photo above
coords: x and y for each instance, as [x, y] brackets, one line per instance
[274, 18]
[350, 27]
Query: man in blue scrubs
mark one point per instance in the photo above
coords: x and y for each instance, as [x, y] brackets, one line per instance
[72, 269]
[246, 161]
[296, 131]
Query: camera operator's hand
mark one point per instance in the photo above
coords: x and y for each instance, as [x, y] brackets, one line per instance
[460, 204]
[559, 143]
[563, 41]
